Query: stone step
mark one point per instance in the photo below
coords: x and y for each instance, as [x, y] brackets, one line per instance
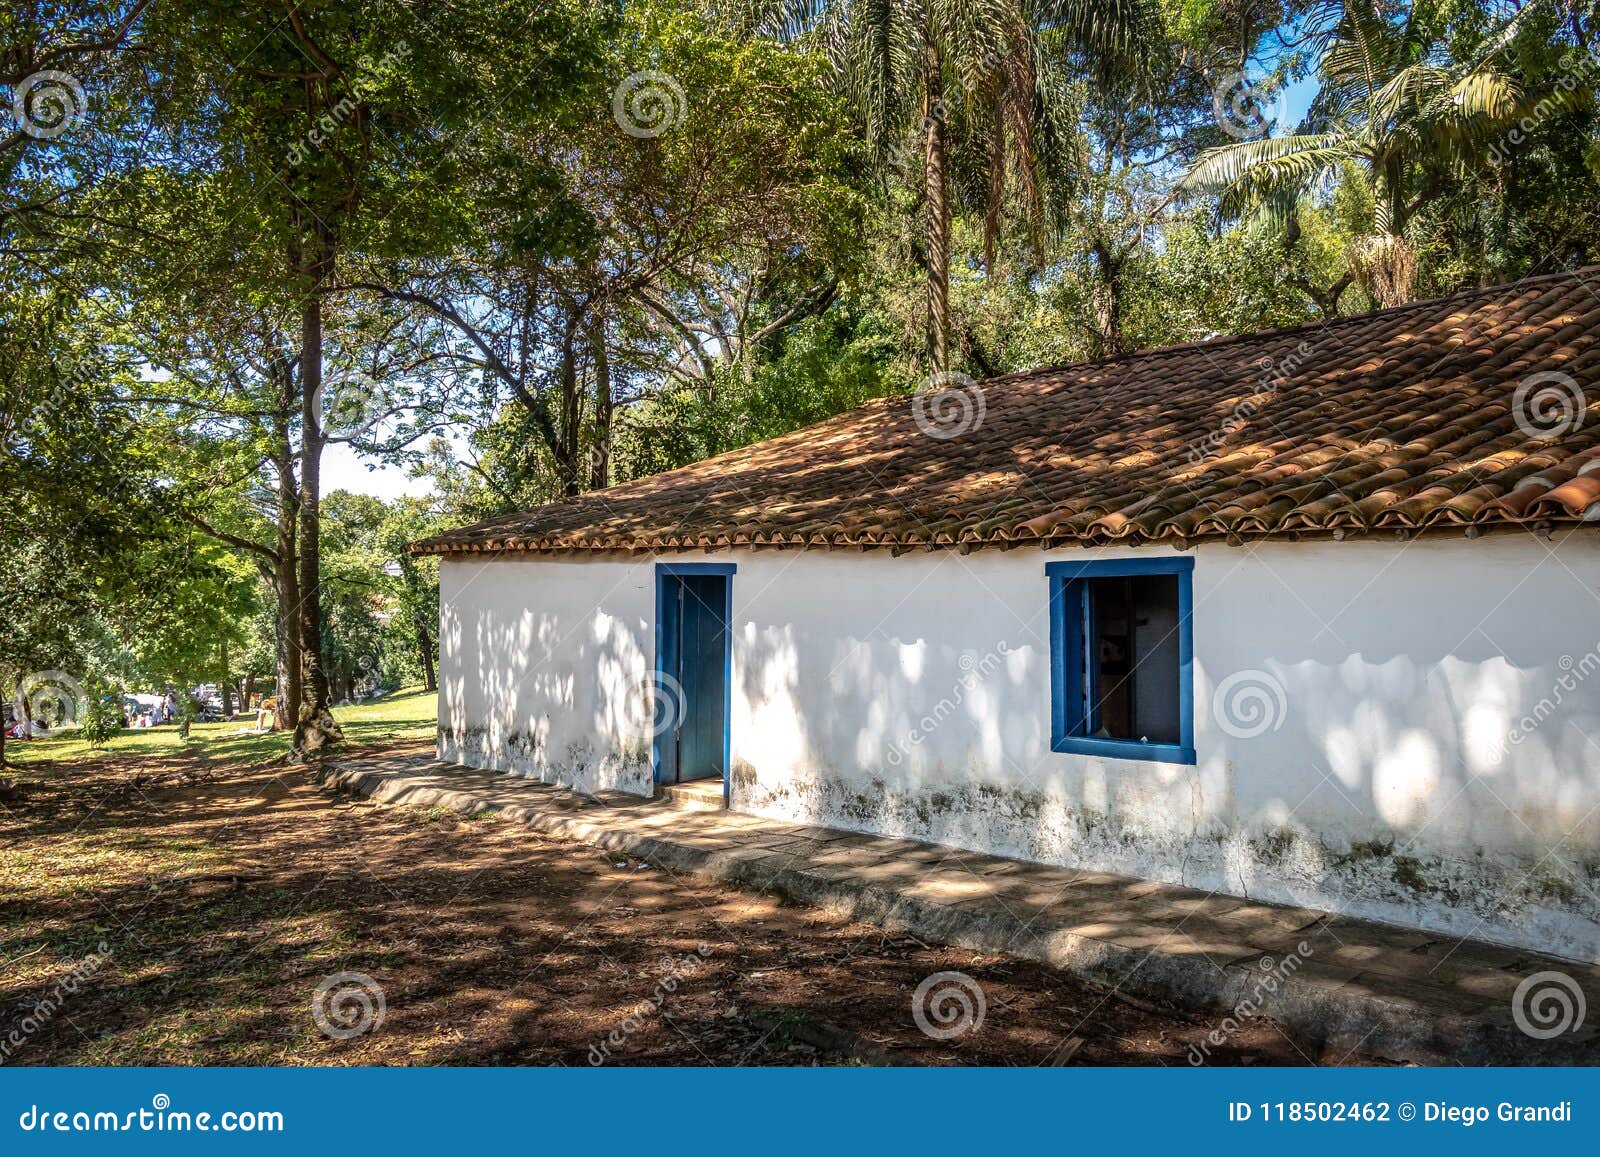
[699, 795]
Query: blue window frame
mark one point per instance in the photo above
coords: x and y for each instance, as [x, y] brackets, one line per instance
[1122, 658]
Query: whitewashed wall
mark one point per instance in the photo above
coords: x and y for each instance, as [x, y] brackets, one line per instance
[1428, 752]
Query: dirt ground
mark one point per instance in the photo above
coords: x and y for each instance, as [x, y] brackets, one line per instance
[185, 911]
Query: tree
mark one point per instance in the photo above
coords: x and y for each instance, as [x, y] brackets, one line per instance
[52, 58]
[601, 247]
[1397, 110]
[223, 410]
[79, 507]
[414, 582]
[198, 624]
[904, 65]
[329, 130]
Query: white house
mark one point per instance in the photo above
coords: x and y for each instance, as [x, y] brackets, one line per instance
[1310, 616]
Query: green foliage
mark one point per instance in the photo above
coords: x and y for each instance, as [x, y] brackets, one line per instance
[826, 365]
[101, 714]
[81, 519]
[543, 281]
[198, 621]
[1205, 283]
[383, 604]
[1408, 106]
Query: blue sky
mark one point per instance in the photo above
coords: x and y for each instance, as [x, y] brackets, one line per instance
[345, 469]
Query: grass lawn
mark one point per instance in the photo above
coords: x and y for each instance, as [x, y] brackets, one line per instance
[169, 904]
[410, 713]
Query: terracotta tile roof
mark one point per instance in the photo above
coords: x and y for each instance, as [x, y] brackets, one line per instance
[1465, 411]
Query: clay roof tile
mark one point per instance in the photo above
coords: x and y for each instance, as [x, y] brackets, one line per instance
[1407, 418]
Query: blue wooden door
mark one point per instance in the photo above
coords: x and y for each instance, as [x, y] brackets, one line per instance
[702, 650]
[693, 652]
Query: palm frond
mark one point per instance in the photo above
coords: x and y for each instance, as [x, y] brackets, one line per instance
[1274, 211]
[1363, 51]
[1116, 35]
[1407, 89]
[782, 19]
[1270, 163]
[1490, 95]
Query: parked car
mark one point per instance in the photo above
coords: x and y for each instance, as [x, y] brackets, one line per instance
[209, 698]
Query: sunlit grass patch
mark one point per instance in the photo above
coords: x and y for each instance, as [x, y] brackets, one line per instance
[409, 713]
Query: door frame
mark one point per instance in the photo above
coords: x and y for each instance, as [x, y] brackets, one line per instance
[670, 570]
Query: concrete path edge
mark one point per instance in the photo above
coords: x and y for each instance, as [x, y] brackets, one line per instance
[1332, 1019]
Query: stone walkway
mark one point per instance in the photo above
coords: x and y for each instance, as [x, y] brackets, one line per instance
[1340, 985]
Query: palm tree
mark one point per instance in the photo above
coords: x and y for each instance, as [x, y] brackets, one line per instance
[902, 62]
[1391, 107]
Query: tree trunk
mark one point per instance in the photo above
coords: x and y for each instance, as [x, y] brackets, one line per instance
[935, 148]
[286, 579]
[600, 472]
[224, 682]
[1384, 262]
[286, 709]
[995, 202]
[571, 409]
[315, 727]
[5, 727]
[430, 677]
[1108, 305]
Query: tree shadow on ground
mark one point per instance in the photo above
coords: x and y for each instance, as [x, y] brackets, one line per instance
[227, 897]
